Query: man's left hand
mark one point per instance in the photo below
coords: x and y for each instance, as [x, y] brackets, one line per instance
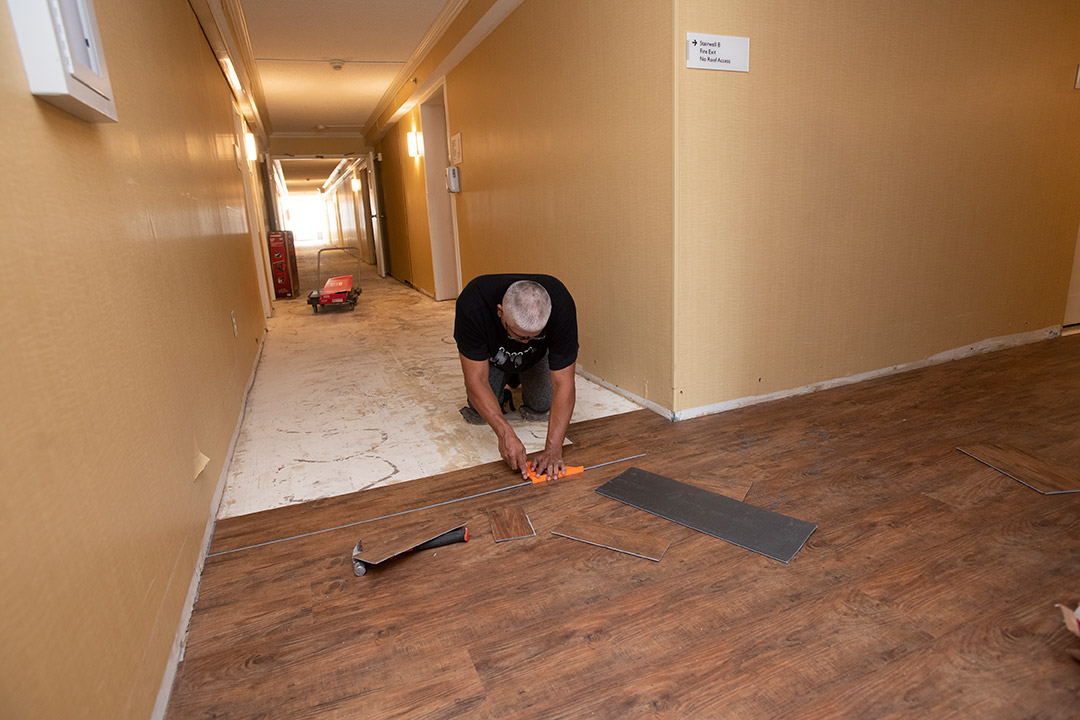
[549, 462]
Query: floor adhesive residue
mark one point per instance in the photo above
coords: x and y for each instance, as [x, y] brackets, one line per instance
[349, 400]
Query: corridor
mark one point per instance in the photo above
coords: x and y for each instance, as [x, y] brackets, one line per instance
[818, 274]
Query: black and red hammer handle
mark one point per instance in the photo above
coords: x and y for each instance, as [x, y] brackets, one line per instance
[447, 538]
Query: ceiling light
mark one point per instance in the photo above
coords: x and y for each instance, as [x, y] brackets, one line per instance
[337, 64]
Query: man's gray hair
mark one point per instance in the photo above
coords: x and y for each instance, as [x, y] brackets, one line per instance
[528, 305]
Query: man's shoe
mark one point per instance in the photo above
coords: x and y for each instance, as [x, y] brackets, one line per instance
[531, 415]
[471, 416]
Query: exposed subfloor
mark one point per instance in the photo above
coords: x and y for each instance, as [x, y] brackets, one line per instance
[347, 400]
[927, 590]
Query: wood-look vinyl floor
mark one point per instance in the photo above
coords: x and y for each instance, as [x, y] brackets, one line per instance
[606, 535]
[1043, 474]
[927, 590]
[510, 523]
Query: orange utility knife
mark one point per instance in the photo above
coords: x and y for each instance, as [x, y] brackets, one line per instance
[570, 470]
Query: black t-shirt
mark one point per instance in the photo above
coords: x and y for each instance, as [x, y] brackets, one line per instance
[480, 334]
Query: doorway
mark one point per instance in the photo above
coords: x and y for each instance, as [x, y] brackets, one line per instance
[359, 185]
[1072, 305]
[376, 211]
[444, 251]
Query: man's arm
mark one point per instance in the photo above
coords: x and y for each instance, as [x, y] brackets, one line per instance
[563, 397]
[481, 397]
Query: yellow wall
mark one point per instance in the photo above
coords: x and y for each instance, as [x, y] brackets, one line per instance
[346, 209]
[333, 221]
[125, 249]
[566, 115]
[889, 181]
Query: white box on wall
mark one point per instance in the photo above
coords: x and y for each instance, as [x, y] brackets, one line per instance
[62, 56]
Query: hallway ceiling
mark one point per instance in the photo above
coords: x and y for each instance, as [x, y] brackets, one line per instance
[306, 175]
[294, 43]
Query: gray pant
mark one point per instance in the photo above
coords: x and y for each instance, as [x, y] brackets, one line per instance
[535, 384]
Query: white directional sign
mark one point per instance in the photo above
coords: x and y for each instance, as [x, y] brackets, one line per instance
[717, 52]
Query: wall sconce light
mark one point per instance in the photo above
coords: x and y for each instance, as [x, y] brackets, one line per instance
[356, 184]
[416, 143]
[249, 147]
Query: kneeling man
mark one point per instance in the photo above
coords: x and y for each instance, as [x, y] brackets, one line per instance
[523, 325]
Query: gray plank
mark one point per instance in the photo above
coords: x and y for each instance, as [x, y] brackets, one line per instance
[773, 535]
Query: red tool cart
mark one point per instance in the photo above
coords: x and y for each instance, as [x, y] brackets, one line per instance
[338, 290]
[283, 264]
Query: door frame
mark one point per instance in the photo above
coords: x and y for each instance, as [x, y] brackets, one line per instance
[1072, 302]
[376, 207]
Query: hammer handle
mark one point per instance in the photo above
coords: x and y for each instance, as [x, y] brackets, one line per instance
[448, 538]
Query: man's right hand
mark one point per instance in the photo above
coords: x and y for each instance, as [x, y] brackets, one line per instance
[485, 403]
[513, 451]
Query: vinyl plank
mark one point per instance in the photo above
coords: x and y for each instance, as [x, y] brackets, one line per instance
[631, 542]
[510, 523]
[763, 531]
[1038, 473]
[383, 539]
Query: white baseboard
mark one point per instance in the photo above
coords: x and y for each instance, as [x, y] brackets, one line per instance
[984, 346]
[979, 348]
[180, 642]
[648, 404]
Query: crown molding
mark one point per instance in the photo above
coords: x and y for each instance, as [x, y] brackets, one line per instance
[499, 11]
[438, 28]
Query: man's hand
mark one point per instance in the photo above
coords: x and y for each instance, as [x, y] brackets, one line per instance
[549, 462]
[513, 451]
[483, 400]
